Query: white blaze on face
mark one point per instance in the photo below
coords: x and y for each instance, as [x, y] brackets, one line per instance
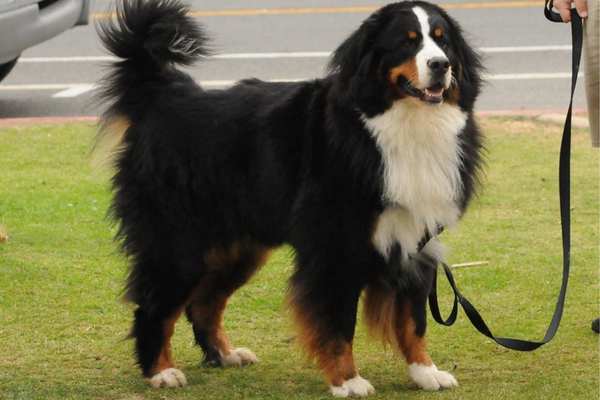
[429, 50]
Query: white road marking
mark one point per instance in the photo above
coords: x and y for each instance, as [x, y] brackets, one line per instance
[524, 49]
[526, 76]
[295, 54]
[74, 91]
[72, 59]
[67, 90]
[40, 86]
[275, 55]
[227, 83]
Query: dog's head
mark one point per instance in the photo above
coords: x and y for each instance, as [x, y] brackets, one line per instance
[411, 51]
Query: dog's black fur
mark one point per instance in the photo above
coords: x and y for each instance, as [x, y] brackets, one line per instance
[259, 165]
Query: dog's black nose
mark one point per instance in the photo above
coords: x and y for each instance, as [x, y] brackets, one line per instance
[438, 65]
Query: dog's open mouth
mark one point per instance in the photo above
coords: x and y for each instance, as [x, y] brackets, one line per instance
[433, 94]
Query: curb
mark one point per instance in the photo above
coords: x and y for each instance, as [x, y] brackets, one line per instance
[549, 115]
[26, 121]
[557, 116]
[576, 121]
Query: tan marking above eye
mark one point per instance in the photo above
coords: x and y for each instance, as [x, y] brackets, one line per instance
[438, 32]
[412, 34]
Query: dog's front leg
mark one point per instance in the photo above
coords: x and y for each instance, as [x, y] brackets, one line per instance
[325, 305]
[410, 336]
[396, 311]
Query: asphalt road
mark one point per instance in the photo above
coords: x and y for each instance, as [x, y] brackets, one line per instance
[527, 58]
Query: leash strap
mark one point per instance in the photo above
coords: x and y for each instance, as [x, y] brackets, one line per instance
[565, 207]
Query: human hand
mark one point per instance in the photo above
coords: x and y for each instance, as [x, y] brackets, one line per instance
[564, 8]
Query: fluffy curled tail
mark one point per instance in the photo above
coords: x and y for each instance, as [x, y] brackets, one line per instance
[158, 32]
[149, 37]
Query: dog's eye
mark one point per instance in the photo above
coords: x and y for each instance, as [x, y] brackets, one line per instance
[410, 39]
[440, 37]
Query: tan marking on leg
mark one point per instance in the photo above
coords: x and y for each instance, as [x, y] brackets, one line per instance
[216, 327]
[229, 268]
[165, 358]
[379, 309]
[227, 259]
[307, 334]
[413, 346]
[219, 257]
[408, 70]
[393, 323]
[334, 357]
[210, 317]
[337, 362]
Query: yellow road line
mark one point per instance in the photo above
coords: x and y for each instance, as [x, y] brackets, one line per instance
[284, 11]
[245, 12]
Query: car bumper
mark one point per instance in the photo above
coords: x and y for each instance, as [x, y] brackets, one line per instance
[31, 24]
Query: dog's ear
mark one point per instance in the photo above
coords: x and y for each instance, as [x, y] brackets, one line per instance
[348, 58]
[367, 86]
[467, 65]
[357, 62]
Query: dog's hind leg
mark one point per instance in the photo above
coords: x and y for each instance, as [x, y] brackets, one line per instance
[153, 333]
[157, 286]
[228, 269]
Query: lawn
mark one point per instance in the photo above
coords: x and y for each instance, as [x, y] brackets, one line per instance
[63, 327]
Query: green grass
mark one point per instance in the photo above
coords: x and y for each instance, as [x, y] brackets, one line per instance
[63, 327]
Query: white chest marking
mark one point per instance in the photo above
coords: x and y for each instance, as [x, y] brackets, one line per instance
[421, 155]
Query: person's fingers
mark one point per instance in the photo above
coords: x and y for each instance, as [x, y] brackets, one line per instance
[564, 9]
[581, 6]
[565, 14]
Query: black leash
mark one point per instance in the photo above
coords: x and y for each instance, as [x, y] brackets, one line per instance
[565, 207]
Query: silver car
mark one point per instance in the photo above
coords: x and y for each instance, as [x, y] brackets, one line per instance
[25, 23]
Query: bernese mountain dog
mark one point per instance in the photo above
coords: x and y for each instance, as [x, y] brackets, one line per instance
[357, 172]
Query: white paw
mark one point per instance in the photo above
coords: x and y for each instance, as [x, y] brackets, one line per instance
[428, 377]
[170, 377]
[356, 386]
[239, 357]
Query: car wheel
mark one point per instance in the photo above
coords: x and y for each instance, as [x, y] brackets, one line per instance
[6, 67]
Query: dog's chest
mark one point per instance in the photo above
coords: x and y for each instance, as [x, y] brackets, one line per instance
[421, 156]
